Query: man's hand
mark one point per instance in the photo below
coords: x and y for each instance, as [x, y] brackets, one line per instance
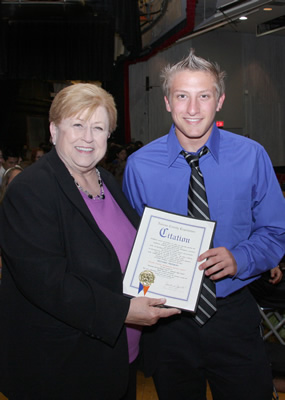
[219, 263]
[276, 275]
[146, 311]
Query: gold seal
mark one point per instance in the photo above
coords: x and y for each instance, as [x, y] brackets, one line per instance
[146, 278]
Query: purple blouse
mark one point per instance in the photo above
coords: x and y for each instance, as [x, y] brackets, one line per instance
[121, 233]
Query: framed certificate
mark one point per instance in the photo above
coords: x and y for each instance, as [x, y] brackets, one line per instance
[163, 261]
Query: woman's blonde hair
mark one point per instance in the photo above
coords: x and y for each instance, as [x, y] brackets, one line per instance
[74, 99]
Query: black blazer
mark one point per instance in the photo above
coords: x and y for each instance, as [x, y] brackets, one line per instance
[62, 311]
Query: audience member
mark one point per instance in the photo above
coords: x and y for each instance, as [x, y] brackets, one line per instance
[133, 146]
[8, 176]
[37, 153]
[117, 161]
[11, 157]
[2, 169]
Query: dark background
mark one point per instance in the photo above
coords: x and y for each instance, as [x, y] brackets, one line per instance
[42, 46]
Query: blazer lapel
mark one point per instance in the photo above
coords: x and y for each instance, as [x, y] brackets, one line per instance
[68, 187]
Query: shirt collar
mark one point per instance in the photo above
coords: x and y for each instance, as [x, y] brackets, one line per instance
[213, 143]
[174, 147]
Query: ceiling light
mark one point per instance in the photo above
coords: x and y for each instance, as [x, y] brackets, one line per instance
[243, 18]
[267, 9]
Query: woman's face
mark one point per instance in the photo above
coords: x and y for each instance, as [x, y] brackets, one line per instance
[122, 155]
[81, 143]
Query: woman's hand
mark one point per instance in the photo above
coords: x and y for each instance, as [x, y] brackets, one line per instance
[147, 311]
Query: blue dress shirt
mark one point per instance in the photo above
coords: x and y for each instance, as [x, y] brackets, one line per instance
[244, 196]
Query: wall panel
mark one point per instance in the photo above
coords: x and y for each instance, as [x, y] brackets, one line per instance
[255, 95]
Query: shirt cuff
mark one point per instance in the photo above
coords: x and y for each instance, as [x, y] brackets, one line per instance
[242, 263]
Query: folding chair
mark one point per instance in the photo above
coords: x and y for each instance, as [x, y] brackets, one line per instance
[273, 326]
[273, 321]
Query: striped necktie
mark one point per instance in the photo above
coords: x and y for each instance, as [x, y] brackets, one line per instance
[198, 208]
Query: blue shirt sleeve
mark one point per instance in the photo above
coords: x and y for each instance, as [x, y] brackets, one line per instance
[133, 188]
[266, 242]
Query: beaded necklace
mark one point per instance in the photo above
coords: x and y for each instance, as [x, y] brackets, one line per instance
[90, 196]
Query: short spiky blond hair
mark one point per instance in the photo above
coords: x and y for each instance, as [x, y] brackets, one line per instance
[74, 99]
[193, 63]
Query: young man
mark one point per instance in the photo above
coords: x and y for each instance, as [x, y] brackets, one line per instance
[245, 200]
[11, 158]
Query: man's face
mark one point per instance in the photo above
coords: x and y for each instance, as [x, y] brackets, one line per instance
[10, 162]
[193, 105]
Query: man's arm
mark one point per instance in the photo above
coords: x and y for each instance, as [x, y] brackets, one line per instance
[133, 188]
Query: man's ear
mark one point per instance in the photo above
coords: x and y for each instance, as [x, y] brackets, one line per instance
[221, 102]
[53, 132]
[167, 104]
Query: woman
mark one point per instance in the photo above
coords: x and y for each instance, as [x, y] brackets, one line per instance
[36, 154]
[66, 233]
[118, 156]
[8, 176]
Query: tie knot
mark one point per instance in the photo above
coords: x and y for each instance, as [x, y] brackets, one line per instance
[193, 159]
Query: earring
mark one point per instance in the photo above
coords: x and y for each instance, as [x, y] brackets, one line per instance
[53, 143]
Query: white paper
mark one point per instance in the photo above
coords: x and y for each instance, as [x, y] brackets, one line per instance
[163, 261]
